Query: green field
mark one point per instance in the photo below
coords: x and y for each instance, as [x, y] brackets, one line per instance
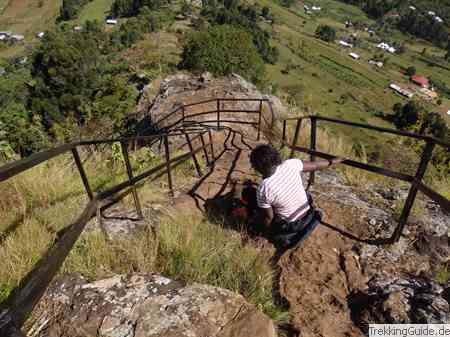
[95, 10]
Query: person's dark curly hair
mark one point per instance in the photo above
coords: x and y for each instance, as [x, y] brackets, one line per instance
[264, 159]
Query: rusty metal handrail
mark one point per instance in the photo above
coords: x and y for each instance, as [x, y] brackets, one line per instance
[415, 181]
[19, 304]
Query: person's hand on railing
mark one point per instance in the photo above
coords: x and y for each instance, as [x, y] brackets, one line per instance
[336, 160]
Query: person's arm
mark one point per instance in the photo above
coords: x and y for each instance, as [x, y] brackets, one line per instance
[265, 216]
[309, 166]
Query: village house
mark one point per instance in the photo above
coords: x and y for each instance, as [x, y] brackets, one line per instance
[387, 47]
[354, 56]
[111, 21]
[421, 81]
[379, 64]
[345, 44]
[17, 37]
[401, 91]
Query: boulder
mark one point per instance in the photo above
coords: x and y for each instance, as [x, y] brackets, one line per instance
[165, 96]
[147, 305]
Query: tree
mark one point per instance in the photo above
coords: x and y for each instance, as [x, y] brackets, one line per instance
[70, 9]
[265, 12]
[408, 115]
[326, 33]
[223, 50]
[410, 71]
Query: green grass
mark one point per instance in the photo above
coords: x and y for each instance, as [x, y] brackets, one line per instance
[95, 10]
[443, 274]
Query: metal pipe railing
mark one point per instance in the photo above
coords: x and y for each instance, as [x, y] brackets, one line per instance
[415, 181]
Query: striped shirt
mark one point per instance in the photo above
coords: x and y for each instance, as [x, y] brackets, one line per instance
[284, 191]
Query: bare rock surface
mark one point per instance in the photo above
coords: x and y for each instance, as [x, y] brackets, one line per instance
[162, 97]
[400, 300]
[147, 305]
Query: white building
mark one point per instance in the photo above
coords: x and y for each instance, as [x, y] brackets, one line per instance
[379, 64]
[17, 37]
[431, 13]
[401, 91]
[387, 47]
[392, 50]
[111, 21]
[77, 28]
[345, 44]
[316, 8]
[40, 35]
[354, 56]
[438, 19]
[412, 8]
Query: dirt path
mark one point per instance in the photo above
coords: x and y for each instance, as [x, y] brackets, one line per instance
[316, 278]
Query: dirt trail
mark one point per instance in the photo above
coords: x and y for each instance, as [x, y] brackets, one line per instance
[316, 278]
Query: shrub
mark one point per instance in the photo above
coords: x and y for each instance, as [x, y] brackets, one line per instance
[223, 50]
[411, 71]
[326, 33]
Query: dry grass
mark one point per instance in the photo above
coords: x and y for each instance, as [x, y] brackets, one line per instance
[46, 198]
[38, 203]
[185, 247]
[329, 142]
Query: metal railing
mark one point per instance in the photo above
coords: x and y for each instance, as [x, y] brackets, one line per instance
[17, 307]
[416, 181]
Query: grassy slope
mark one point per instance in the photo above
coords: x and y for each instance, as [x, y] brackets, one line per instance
[28, 17]
[368, 85]
[95, 10]
[327, 81]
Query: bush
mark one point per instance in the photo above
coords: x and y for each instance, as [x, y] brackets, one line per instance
[326, 33]
[223, 50]
[70, 9]
[411, 71]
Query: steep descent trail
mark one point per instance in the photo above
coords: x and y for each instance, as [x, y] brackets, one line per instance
[315, 278]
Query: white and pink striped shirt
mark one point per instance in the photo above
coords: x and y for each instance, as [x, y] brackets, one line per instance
[284, 191]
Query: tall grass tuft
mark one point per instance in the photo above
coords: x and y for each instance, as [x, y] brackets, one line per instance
[185, 247]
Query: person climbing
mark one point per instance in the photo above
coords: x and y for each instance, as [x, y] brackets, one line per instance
[285, 211]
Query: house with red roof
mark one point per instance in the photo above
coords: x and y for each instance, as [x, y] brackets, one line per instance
[420, 81]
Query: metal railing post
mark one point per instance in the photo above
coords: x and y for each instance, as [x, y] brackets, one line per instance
[169, 172]
[312, 146]
[194, 157]
[424, 160]
[283, 138]
[295, 139]
[212, 145]
[205, 152]
[83, 176]
[259, 120]
[130, 177]
[218, 113]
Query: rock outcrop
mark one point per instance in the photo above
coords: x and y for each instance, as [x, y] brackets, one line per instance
[400, 301]
[162, 97]
[147, 305]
